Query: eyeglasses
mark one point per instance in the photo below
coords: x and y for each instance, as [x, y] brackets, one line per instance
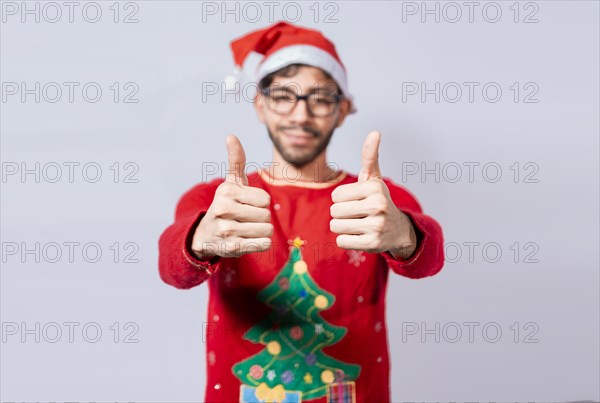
[320, 103]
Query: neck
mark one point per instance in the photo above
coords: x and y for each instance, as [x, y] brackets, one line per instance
[316, 172]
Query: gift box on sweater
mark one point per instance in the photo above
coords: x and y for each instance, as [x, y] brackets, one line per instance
[341, 392]
[264, 394]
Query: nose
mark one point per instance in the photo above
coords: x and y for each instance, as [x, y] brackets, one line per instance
[300, 112]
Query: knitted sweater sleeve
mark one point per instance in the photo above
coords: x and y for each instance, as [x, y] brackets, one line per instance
[177, 264]
[428, 257]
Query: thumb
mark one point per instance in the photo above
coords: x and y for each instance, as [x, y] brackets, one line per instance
[236, 161]
[370, 157]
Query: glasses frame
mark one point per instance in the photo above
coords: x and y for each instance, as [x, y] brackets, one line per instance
[338, 97]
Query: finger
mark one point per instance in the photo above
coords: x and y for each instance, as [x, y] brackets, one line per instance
[350, 209]
[248, 245]
[351, 191]
[240, 246]
[236, 168]
[247, 213]
[253, 196]
[351, 226]
[370, 157]
[253, 229]
[353, 242]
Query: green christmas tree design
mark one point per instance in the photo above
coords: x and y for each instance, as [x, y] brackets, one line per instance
[294, 335]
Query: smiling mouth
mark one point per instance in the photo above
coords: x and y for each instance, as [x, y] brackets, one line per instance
[298, 137]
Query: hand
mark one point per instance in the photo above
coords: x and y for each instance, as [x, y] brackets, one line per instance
[239, 220]
[364, 214]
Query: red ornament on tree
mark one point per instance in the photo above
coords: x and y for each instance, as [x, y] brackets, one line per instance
[296, 333]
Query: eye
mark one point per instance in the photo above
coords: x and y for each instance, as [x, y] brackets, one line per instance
[282, 96]
[324, 98]
[285, 97]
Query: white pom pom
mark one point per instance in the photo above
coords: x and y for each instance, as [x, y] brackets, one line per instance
[230, 82]
[233, 79]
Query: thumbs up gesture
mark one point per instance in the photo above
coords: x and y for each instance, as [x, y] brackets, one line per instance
[364, 215]
[239, 220]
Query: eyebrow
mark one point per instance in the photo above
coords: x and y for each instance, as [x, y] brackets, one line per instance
[309, 92]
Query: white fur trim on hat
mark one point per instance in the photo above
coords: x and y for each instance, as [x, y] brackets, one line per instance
[306, 54]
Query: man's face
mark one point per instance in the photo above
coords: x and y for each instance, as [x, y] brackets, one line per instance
[299, 136]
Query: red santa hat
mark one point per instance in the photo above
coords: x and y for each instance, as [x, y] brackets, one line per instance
[283, 44]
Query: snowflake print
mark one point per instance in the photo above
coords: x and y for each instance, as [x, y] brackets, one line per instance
[212, 358]
[378, 327]
[271, 374]
[229, 275]
[356, 257]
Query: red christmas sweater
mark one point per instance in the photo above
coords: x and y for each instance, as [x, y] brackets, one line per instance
[305, 320]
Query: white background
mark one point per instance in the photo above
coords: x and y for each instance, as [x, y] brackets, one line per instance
[169, 53]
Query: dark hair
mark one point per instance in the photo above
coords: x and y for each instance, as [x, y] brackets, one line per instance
[289, 71]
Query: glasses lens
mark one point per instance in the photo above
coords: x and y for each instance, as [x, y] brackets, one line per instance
[320, 103]
[281, 101]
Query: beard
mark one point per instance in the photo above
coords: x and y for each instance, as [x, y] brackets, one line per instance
[298, 160]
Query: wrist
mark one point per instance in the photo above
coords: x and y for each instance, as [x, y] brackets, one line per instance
[201, 249]
[204, 253]
[407, 246]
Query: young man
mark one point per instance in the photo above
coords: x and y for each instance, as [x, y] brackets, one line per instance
[297, 257]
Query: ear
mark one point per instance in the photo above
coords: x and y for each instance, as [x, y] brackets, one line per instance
[259, 104]
[345, 106]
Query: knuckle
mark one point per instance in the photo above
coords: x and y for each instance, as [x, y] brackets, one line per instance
[373, 209]
[220, 208]
[379, 205]
[227, 189]
[224, 229]
[378, 224]
[218, 211]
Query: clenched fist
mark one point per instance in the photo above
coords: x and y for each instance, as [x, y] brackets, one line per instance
[364, 215]
[239, 220]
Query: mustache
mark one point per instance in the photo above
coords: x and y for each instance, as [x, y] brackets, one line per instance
[308, 130]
